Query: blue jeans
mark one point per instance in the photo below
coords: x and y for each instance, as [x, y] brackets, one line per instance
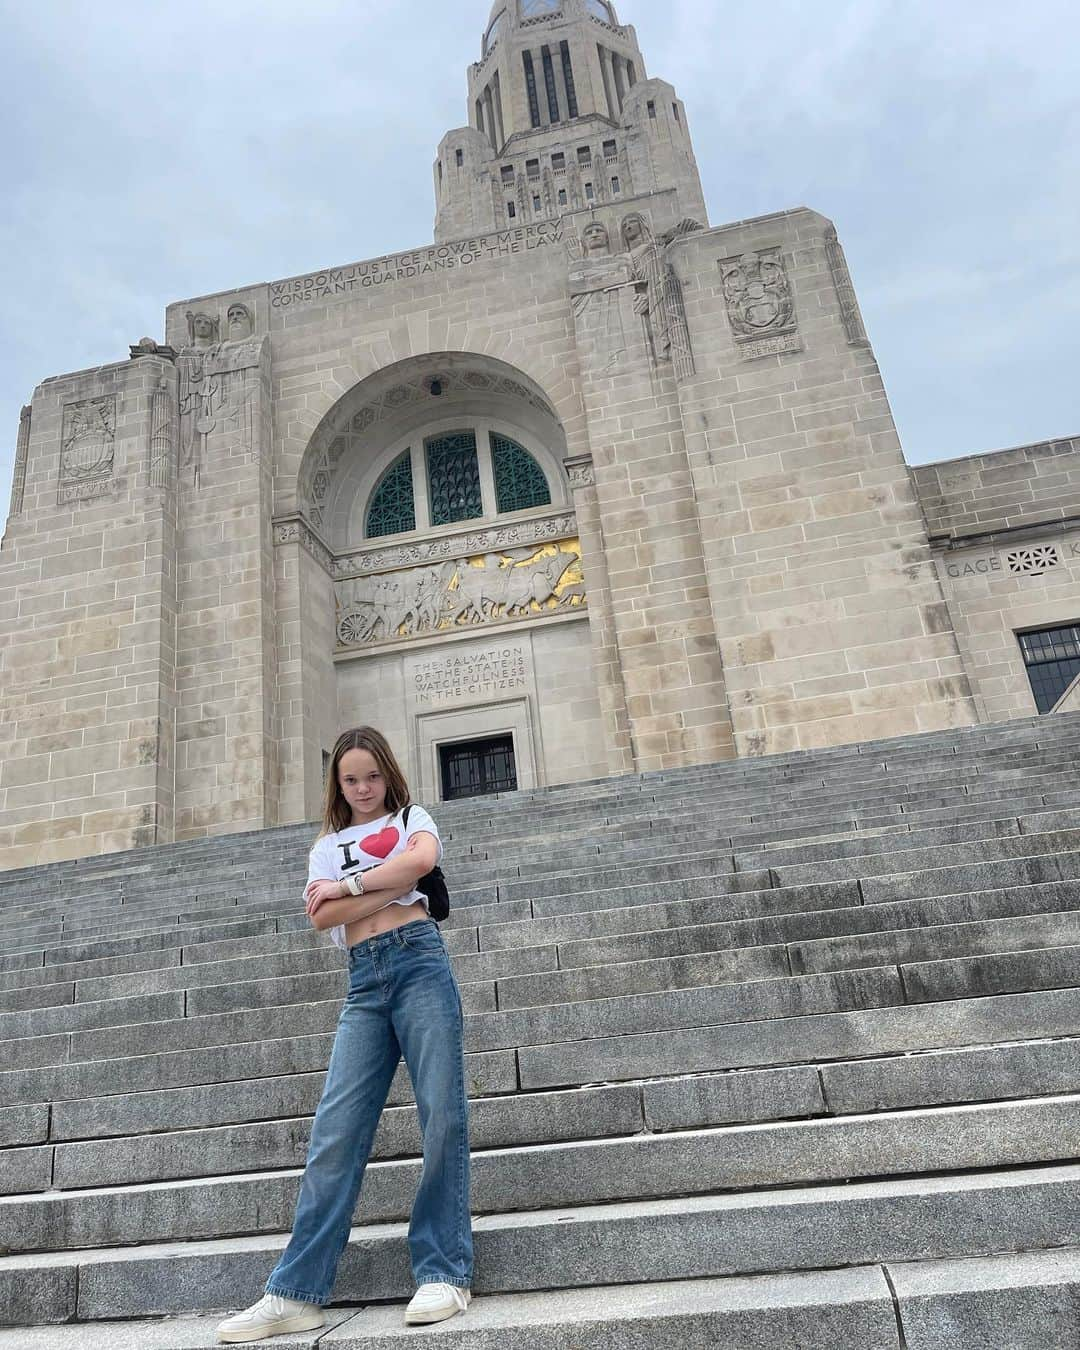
[403, 1000]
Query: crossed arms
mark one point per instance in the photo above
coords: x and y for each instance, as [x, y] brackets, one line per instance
[384, 884]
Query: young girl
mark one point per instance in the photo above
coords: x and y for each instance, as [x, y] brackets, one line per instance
[403, 1000]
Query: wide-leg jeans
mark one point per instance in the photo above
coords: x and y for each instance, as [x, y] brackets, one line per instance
[403, 1000]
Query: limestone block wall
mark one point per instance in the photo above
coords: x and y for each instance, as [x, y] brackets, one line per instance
[535, 681]
[1002, 490]
[832, 621]
[999, 587]
[88, 613]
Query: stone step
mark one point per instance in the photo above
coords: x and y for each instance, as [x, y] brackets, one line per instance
[1011, 1302]
[181, 1133]
[569, 1174]
[690, 1237]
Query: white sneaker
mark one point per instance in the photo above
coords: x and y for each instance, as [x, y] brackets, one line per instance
[271, 1316]
[437, 1302]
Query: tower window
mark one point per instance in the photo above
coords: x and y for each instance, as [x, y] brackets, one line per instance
[568, 77]
[616, 186]
[532, 168]
[511, 211]
[652, 109]
[584, 155]
[1052, 658]
[460, 154]
[393, 508]
[562, 196]
[558, 162]
[549, 82]
[454, 478]
[536, 203]
[530, 85]
[599, 10]
[589, 192]
[675, 110]
[508, 173]
[610, 150]
[531, 8]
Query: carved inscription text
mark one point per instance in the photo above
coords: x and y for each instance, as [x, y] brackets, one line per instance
[471, 676]
[341, 282]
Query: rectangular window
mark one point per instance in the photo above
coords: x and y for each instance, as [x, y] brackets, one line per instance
[675, 110]
[549, 84]
[532, 168]
[589, 192]
[610, 150]
[558, 162]
[568, 78]
[530, 85]
[616, 186]
[508, 173]
[1052, 657]
[536, 203]
[478, 768]
[460, 158]
[511, 211]
[652, 109]
[562, 196]
[584, 154]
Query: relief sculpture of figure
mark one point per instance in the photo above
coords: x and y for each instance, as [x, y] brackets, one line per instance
[424, 599]
[659, 300]
[601, 287]
[216, 392]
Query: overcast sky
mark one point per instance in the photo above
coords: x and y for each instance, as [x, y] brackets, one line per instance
[154, 152]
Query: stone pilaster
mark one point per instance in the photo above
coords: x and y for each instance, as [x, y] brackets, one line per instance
[629, 349]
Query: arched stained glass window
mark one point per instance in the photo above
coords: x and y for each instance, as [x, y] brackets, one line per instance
[454, 478]
[519, 480]
[393, 509]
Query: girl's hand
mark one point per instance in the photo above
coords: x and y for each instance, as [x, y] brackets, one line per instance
[318, 892]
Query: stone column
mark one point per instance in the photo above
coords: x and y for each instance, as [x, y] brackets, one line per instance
[227, 764]
[605, 648]
[18, 482]
[666, 647]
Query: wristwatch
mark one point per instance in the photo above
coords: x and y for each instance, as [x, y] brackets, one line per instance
[355, 884]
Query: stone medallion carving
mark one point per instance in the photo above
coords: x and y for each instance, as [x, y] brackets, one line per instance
[760, 304]
[87, 450]
[490, 589]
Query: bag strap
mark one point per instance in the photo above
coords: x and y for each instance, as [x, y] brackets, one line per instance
[405, 817]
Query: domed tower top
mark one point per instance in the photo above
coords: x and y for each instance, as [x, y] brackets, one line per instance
[547, 62]
[562, 117]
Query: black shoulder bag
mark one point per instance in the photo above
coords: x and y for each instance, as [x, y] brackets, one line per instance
[433, 885]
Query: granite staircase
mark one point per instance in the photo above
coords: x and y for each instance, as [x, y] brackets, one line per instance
[775, 1053]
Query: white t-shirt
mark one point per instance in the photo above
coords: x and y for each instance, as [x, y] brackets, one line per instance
[362, 847]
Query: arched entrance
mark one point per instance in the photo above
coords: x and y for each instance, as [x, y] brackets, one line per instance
[452, 606]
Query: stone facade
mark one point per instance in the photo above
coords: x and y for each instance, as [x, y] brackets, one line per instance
[592, 479]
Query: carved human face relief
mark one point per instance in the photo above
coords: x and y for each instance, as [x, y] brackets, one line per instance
[239, 322]
[595, 239]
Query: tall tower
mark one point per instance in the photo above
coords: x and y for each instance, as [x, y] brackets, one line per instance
[562, 118]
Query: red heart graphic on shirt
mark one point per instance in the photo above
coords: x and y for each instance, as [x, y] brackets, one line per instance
[381, 845]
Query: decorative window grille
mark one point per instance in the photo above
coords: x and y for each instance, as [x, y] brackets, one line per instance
[530, 85]
[454, 478]
[393, 508]
[478, 768]
[549, 82]
[519, 481]
[1033, 562]
[568, 78]
[1052, 658]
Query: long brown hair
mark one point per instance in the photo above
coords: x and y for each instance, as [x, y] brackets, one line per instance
[337, 813]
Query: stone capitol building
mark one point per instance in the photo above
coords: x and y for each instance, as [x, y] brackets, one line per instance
[587, 486]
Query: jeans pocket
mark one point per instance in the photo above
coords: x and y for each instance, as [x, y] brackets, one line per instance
[422, 937]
